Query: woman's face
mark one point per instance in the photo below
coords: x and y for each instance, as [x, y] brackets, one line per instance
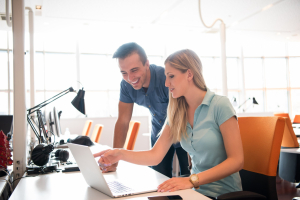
[176, 81]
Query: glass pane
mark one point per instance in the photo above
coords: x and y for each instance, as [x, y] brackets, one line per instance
[60, 71]
[275, 73]
[232, 73]
[248, 105]
[3, 70]
[99, 72]
[4, 103]
[97, 104]
[212, 73]
[277, 101]
[253, 73]
[294, 48]
[157, 60]
[113, 97]
[294, 65]
[39, 71]
[295, 99]
[3, 41]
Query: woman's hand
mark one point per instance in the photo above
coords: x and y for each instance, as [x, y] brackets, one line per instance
[174, 184]
[108, 159]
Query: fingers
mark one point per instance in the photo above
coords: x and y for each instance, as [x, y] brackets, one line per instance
[100, 153]
[111, 168]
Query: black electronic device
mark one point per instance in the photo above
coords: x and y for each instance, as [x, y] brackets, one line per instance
[62, 155]
[40, 155]
[169, 197]
[6, 125]
[57, 122]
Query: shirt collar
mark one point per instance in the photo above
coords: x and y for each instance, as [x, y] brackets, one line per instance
[152, 79]
[208, 97]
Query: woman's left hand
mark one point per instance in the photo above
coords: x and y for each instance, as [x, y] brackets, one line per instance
[174, 184]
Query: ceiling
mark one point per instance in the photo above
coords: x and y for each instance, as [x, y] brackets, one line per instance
[278, 19]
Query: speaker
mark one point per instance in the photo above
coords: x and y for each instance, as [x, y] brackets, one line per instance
[62, 155]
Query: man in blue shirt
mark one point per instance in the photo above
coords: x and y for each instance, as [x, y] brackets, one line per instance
[144, 84]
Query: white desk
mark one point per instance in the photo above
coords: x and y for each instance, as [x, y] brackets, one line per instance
[62, 186]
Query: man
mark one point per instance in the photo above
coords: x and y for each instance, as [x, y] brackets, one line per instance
[144, 84]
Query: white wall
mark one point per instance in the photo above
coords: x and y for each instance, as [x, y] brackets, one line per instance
[76, 125]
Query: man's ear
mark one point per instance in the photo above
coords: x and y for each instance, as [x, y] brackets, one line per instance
[147, 64]
[190, 74]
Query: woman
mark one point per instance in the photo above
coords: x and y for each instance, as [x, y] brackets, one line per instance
[204, 123]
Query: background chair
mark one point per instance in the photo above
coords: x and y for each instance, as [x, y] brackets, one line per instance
[289, 162]
[296, 119]
[132, 133]
[87, 128]
[95, 137]
[261, 138]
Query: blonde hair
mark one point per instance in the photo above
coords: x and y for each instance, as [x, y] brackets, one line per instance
[177, 110]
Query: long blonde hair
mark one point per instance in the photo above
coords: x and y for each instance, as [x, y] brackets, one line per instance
[177, 110]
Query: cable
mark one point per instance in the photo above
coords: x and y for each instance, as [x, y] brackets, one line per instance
[202, 18]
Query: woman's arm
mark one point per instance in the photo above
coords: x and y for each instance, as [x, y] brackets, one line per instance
[149, 158]
[233, 163]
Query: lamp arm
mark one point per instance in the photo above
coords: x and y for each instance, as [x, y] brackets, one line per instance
[39, 106]
[200, 15]
[33, 128]
[243, 103]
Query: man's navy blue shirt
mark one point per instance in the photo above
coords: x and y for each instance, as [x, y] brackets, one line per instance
[156, 98]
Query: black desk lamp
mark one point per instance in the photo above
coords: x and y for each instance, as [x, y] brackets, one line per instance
[253, 102]
[40, 154]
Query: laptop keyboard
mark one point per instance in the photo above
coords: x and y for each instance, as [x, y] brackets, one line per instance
[118, 188]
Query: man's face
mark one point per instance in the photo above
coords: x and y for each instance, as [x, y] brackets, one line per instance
[134, 72]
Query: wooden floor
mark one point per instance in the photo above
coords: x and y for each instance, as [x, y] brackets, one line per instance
[286, 190]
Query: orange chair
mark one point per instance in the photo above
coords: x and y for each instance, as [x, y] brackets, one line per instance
[297, 119]
[132, 133]
[261, 138]
[87, 128]
[95, 137]
[289, 163]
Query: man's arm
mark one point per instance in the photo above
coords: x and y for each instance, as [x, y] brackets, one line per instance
[121, 127]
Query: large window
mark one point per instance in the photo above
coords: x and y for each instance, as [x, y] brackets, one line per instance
[63, 61]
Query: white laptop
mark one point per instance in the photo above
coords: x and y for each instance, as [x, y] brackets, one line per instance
[94, 177]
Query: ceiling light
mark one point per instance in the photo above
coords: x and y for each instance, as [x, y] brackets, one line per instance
[38, 7]
[287, 38]
[267, 7]
[278, 33]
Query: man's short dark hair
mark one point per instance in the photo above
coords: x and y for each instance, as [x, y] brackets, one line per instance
[129, 48]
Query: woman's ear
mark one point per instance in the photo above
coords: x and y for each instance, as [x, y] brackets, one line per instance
[190, 74]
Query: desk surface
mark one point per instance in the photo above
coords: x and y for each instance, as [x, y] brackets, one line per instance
[62, 186]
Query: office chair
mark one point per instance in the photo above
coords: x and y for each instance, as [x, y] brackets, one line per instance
[296, 119]
[261, 138]
[289, 163]
[95, 137]
[87, 127]
[132, 133]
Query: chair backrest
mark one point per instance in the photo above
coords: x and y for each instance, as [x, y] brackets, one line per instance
[132, 133]
[261, 138]
[87, 128]
[282, 115]
[95, 137]
[289, 138]
[297, 119]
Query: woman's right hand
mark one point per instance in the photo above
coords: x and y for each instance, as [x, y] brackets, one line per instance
[108, 159]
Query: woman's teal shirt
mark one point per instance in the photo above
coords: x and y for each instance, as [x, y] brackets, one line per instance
[205, 145]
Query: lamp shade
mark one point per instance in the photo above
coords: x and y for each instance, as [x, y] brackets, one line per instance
[78, 101]
[254, 101]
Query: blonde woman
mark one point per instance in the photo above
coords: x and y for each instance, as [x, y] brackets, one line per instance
[203, 122]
